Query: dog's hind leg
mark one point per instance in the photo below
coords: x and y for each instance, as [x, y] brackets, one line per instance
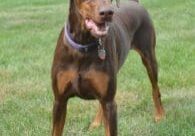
[145, 46]
[107, 114]
[150, 63]
[98, 118]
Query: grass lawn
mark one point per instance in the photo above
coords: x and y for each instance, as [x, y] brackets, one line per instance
[28, 35]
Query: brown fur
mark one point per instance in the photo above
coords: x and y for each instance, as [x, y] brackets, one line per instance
[87, 76]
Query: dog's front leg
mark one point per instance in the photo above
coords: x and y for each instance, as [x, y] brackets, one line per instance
[59, 115]
[110, 117]
[106, 88]
[62, 92]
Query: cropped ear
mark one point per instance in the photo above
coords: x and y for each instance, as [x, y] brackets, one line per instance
[71, 4]
[71, 11]
[118, 3]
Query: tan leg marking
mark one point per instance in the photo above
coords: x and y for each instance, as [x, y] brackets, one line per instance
[98, 118]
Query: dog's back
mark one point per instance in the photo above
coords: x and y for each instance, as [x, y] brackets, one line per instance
[127, 20]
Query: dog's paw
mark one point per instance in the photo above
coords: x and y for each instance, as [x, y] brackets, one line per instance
[159, 116]
[94, 125]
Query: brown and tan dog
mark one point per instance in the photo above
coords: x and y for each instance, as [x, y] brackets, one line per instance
[90, 50]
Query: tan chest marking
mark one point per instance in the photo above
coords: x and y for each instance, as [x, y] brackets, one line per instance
[64, 78]
[99, 81]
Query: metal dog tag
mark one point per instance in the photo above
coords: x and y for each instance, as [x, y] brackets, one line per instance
[101, 50]
[102, 53]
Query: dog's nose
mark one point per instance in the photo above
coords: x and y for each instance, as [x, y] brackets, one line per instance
[106, 13]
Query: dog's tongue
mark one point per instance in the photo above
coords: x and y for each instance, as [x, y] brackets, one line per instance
[95, 30]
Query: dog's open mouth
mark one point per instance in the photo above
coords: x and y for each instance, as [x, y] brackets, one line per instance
[97, 29]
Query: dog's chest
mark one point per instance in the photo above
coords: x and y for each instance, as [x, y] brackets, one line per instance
[88, 84]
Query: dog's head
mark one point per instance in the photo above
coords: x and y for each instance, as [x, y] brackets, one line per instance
[94, 15]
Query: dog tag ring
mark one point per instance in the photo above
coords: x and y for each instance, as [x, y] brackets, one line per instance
[101, 50]
[102, 54]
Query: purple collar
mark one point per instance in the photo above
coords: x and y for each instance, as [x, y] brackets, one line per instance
[82, 48]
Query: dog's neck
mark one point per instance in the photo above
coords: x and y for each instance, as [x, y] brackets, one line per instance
[77, 28]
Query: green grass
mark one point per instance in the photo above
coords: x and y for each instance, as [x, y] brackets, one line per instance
[28, 35]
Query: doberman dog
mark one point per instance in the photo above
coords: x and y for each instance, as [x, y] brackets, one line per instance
[91, 48]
